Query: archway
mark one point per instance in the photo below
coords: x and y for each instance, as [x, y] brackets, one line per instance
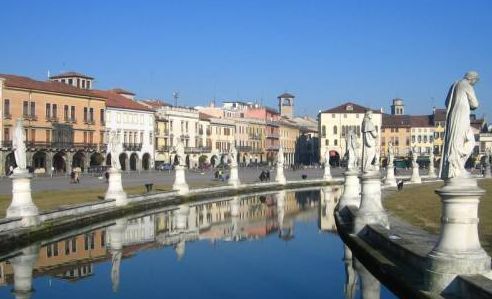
[108, 160]
[133, 161]
[146, 161]
[176, 160]
[39, 160]
[123, 157]
[334, 158]
[187, 160]
[78, 160]
[96, 159]
[59, 162]
[10, 161]
[202, 161]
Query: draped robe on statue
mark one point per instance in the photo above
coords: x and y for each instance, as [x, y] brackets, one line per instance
[459, 139]
[369, 139]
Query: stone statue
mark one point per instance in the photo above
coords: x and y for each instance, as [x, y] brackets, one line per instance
[115, 148]
[280, 157]
[459, 139]
[233, 155]
[391, 153]
[326, 158]
[487, 156]
[414, 158]
[369, 146]
[180, 153]
[19, 144]
[352, 148]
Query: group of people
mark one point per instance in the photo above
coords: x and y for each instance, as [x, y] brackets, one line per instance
[219, 175]
[265, 175]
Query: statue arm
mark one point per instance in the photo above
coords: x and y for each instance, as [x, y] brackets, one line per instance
[472, 98]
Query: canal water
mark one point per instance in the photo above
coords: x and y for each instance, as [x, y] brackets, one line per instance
[272, 245]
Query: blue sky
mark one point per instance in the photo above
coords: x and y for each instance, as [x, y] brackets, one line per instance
[325, 52]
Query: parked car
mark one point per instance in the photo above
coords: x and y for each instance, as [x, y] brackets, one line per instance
[165, 167]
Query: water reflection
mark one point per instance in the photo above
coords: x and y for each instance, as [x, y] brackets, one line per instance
[233, 219]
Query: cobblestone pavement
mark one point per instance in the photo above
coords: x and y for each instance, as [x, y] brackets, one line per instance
[246, 175]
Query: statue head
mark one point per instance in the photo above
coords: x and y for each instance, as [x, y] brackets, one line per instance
[472, 77]
[368, 114]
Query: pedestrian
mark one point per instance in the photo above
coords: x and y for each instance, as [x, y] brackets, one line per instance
[106, 175]
[52, 171]
[11, 170]
[72, 177]
[77, 180]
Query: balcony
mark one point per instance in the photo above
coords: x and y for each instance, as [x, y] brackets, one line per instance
[274, 135]
[38, 144]
[184, 136]
[6, 144]
[243, 149]
[52, 119]
[254, 136]
[164, 149]
[85, 146]
[30, 117]
[272, 147]
[132, 146]
[70, 120]
[89, 121]
[198, 150]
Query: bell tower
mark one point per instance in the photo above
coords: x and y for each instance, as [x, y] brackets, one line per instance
[286, 105]
[398, 108]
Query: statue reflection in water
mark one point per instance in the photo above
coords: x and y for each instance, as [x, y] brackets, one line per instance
[350, 275]
[326, 208]
[116, 235]
[23, 269]
[370, 286]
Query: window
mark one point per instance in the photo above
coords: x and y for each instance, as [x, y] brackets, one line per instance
[6, 108]
[101, 137]
[383, 141]
[103, 238]
[6, 134]
[67, 247]
[72, 113]
[65, 112]
[397, 141]
[48, 110]
[70, 81]
[85, 137]
[54, 111]
[91, 115]
[91, 137]
[85, 114]
[382, 130]
[101, 116]
[408, 141]
[333, 115]
[335, 130]
[33, 109]
[48, 136]
[25, 108]
[413, 139]
[419, 138]
[335, 142]
[33, 135]
[141, 137]
[150, 138]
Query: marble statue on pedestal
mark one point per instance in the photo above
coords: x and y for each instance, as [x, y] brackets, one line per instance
[391, 154]
[280, 177]
[234, 173]
[327, 170]
[432, 169]
[180, 184]
[115, 147]
[115, 186]
[487, 170]
[458, 250]
[390, 170]
[351, 186]
[459, 139]
[370, 161]
[352, 150]
[415, 178]
[19, 145]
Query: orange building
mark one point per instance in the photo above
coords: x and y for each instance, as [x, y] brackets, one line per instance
[64, 123]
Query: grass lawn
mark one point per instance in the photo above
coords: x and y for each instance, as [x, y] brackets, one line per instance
[48, 200]
[420, 206]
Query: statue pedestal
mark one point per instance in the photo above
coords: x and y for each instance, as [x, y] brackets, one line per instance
[415, 176]
[458, 250]
[351, 190]
[371, 209]
[280, 177]
[115, 188]
[234, 177]
[390, 176]
[180, 184]
[22, 204]
[23, 266]
[370, 286]
[327, 173]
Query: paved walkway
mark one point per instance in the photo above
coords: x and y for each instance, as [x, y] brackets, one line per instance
[246, 175]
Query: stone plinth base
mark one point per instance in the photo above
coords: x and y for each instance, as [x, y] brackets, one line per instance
[22, 204]
[234, 177]
[415, 176]
[351, 190]
[458, 250]
[115, 188]
[371, 209]
[280, 177]
[327, 173]
[180, 184]
[390, 180]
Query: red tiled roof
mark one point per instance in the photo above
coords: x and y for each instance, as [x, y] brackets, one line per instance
[421, 121]
[204, 116]
[154, 104]
[396, 121]
[122, 91]
[70, 74]
[48, 86]
[115, 100]
[355, 109]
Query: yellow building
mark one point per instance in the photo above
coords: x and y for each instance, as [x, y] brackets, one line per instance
[289, 134]
[396, 129]
[64, 124]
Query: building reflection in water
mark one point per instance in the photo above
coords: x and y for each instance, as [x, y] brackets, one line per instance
[231, 220]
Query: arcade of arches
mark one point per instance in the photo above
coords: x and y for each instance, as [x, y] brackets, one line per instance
[43, 161]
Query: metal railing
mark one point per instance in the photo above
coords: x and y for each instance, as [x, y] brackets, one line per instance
[132, 146]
